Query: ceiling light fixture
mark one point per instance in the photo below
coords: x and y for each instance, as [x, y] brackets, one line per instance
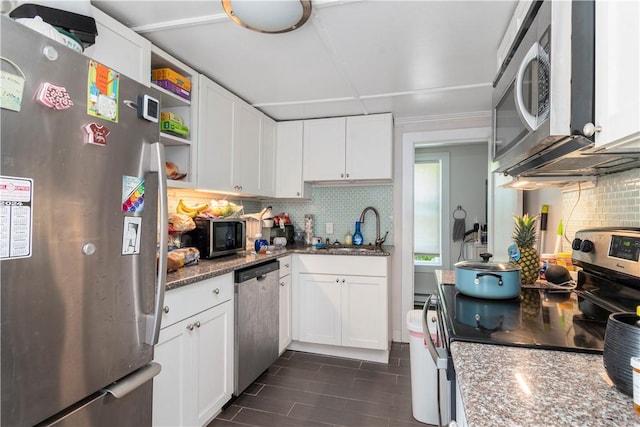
[268, 16]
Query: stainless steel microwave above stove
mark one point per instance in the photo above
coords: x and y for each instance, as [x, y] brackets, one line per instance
[544, 93]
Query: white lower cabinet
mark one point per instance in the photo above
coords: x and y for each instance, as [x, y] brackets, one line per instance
[461, 418]
[195, 351]
[284, 337]
[343, 310]
[343, 301]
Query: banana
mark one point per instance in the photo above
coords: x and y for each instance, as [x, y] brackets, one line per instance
[183, 206]
[191, 211]
[180, 210]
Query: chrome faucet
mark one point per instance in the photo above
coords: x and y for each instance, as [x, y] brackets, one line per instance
[379, 241]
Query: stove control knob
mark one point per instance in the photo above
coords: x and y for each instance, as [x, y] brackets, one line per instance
[575, 245]
[586, 246]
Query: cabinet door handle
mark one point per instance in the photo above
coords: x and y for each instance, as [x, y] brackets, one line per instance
[197, 324]
[590, 129]
[216, 291]
[341, 175]
[286, 265]
[281, 283]
[343, 280]
[166, 309]
[347, 175]
[337, 280]
[190, 326]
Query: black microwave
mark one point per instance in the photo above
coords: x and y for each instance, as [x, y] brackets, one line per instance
[215, 237]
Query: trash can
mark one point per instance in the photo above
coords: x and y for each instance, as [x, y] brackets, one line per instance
[424, 375]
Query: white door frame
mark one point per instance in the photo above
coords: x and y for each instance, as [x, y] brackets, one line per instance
[410, 141]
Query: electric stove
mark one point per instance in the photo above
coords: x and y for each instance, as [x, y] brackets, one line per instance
[547, 318]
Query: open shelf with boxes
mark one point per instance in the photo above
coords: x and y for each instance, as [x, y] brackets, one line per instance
[177, 84]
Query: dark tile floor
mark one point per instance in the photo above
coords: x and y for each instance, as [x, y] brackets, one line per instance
[303, 389]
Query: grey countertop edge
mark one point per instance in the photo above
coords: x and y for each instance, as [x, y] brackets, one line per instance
[567, 389]
[207, 268]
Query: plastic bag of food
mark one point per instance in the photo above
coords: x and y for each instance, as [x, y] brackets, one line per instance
[180, 223]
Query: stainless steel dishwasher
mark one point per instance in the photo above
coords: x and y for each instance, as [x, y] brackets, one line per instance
[256, 321]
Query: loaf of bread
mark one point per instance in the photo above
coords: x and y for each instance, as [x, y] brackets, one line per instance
[178, 258]
[174, 262]
[189, 255]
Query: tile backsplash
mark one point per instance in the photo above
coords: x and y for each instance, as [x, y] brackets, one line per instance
[615, 201]
[342, 206]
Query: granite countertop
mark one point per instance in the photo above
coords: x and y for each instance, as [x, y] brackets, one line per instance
[207, 268]
[564, 388]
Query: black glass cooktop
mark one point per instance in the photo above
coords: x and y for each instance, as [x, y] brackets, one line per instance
[538, 318]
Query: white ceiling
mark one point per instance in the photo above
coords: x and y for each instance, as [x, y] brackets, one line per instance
[416, 59]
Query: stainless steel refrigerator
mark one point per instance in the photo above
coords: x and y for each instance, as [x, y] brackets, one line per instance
[82, 191]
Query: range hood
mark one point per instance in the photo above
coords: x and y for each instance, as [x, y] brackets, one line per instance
[574, 156]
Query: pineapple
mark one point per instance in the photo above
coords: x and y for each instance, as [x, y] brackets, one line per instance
[524, 236]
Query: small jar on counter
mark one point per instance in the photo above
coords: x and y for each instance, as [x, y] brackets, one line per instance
[564, 259]
[545, 261]
[348, 239]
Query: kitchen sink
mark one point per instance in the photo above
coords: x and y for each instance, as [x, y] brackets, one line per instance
[352, 250]
[345, 250]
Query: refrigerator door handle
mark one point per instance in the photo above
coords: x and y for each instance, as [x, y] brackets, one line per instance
[158, 165]
[132, 381]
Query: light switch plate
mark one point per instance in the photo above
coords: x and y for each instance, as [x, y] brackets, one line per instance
[329, 228]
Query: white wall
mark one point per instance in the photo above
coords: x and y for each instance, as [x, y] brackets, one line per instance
[400, 302]
[533, 201]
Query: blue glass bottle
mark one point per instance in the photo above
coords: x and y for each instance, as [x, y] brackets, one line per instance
[357, 236]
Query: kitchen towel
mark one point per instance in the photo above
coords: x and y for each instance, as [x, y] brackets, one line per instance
[459, 225]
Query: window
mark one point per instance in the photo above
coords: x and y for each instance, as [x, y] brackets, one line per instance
[427, 208]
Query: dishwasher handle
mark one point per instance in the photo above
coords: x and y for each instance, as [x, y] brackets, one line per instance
[256, 271]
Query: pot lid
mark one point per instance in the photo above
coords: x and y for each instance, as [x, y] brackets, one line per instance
[486, 265]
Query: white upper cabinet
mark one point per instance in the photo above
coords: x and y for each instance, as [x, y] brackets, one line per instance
[230, 133]
[215, 145]
[509, 36]
[289, 182]
[348, 148]
[323, 155]
[247, 130]
[120, 48]
[369, 147]
[617, 103]
[268, 157]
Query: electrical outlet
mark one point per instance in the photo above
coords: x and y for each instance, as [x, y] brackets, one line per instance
[329, 228]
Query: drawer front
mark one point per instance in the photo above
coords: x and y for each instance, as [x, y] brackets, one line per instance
[344, 264]
[192, 299]
[285, 265]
